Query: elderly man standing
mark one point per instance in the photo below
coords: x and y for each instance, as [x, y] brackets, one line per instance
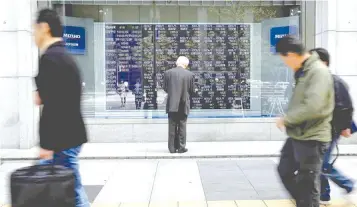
[178, 84]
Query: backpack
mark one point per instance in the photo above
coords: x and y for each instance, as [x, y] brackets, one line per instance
[343, 111]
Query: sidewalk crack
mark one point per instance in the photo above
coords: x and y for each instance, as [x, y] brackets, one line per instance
[153, 184]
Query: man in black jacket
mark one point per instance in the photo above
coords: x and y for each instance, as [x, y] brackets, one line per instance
[62, 130]
[178, 84]
[341, 124]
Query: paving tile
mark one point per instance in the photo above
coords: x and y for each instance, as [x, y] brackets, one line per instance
[177, 180]
[232, 195]
[98, 173]
[222, 166]
[193, 204]
[221, 204]
[225, 181]
[131, 181]
[164, 204]
[230, 186]
[92, 191]
[342, 203]
[262, 174]
[279, 203]
[273, 194]
[256, 164]
[267, 186]
[250, 203]
[219, 177]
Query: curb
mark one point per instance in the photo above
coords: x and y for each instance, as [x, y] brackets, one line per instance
[166, 157]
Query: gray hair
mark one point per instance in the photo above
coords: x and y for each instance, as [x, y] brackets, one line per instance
[182, 61]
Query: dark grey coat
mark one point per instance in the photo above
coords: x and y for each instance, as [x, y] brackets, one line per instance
[178, 84]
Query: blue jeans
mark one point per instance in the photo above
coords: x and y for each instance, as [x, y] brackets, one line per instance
[329, 172]
[69, 158]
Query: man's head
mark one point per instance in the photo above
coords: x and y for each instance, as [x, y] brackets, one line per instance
[48, 26]
[323, 55]
[292, 51]
[182, 61]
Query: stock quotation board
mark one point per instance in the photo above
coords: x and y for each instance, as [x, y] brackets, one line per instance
[138, 55]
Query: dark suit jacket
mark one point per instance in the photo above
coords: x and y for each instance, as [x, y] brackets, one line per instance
[178, 84]
[59, 85]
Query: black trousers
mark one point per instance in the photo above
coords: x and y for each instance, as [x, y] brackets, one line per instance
[177, 131]
[300, 169]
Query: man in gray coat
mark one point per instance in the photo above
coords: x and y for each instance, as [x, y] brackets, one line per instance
[178, 84]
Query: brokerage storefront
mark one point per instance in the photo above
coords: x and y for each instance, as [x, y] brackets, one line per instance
[123, 48]
[230, 46]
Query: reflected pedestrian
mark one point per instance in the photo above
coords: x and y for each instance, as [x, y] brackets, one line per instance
[341, 125]
[59, 88]
[307, 123]
[138, 92]
[122, 91]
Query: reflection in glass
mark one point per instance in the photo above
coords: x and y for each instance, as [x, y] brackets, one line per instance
[229, 47]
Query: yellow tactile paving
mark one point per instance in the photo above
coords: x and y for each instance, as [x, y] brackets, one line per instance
[221, 204]
[251, 203]
[278, 203]
[193, 204]
[340, 203]
[167, 204]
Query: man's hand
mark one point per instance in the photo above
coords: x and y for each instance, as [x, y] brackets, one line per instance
[37, 98]
[46, 154]
[280, 124]
[346, 133]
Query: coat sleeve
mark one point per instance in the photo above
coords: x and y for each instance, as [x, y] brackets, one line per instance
[46, 80]
[316, 96]
[49, 91]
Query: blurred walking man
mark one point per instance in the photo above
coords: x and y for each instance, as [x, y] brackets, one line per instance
[341, 125]
[307, 123]
[59, 88]
[178, 84]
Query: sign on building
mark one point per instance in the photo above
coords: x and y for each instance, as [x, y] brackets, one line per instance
[276, 33]
[75, 39]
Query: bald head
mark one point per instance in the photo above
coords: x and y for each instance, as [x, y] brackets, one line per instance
[182, 61]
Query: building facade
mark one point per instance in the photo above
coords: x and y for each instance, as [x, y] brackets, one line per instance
[123, 48]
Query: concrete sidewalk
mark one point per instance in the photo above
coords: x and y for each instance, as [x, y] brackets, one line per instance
[159, 150]
[228, 182]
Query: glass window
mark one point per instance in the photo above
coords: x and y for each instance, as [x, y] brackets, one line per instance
[124, 47]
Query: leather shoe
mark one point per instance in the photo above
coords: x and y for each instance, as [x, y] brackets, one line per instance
[183, 150]
[173, 151]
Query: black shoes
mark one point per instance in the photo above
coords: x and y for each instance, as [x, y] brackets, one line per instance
[182, 150]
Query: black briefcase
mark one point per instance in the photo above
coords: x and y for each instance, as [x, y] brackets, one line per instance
[43, 186]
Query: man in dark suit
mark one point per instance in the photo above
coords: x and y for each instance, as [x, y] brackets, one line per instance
[178, 84]
[59, 89]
